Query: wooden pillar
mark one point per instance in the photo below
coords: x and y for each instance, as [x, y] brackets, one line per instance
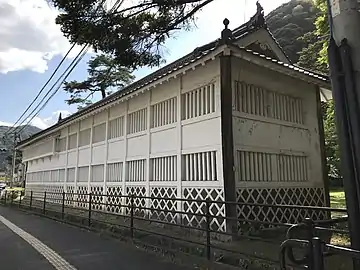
[227, 140]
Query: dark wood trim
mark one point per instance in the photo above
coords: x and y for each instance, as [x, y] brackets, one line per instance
[322, 147]
[227, 139]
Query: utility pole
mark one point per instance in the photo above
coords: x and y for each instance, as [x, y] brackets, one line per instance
[14, 160]
[346, 25]
[16, 139]
[344, 61]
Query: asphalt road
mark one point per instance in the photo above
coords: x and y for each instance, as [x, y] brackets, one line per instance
[79, 248]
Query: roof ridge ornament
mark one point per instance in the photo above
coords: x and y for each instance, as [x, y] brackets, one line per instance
[226, 33]
[60, 118]
[258, 20]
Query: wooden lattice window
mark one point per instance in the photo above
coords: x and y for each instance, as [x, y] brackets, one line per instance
[271, 167]
[137, 121]
[136, 171]
[163, 168]
[70, 175]
[97, 173]
[83, 174]
[198, 102]
[199, 166]
[116, 128]
[163, 113]
[256, 100]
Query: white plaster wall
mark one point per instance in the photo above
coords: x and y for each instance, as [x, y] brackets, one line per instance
[100, 117]
[165, 91]
[84, 156]
[98, 154]
[201, 134]
[139, 102]
[137, 146]
[86, 123]
[64, 132]
[193, 135]
[164, 141]
[257, 133]
[117, 110]
[71, 158]
[116, 150]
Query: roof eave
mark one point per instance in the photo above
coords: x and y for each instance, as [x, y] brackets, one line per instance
[281, 67]
[104, 104]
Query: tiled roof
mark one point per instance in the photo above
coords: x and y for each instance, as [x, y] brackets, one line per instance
[196, 54]
[178, 64]
[313, 74]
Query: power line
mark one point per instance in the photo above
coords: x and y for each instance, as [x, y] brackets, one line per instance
[11, 130]
[43, 88]
[69, 69]
[83, 52]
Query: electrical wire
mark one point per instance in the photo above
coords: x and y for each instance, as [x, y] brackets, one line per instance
[83, 53]
[43, 88]
[14, 126]
[62, 77]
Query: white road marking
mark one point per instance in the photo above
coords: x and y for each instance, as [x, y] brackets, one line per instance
[55, 259]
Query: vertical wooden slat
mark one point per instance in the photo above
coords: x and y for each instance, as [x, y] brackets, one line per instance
[242, 167]
[166, 112]
[157, 168]
[298, 166]
[247, 166]
[196, 167]
[171, 168]
[213, 165]
[167, 165]
[213, 97]
[191, 167]
[161, 161]
[261, 161]
[157, 118]
[162, 113]
[208, 166]
[242, 97]
[203, 167]
[188, 103]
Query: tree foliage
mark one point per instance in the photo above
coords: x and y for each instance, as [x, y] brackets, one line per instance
[290, 21]
[314, 56]
[104, 74]
[331, 142]
[132, 32]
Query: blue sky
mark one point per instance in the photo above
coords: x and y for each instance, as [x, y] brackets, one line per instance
[20, 86]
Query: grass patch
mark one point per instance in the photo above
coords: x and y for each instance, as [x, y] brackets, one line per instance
[337, 198]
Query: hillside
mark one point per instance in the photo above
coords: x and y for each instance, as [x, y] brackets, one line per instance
[290, 21]
[6, 142]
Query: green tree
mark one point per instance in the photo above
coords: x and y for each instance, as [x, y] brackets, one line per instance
[314, 56]
[133, 33]
[331, 144]
[104, 74]
[290, 21]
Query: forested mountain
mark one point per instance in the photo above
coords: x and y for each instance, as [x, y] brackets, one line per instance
[291, 21]
[6, 142]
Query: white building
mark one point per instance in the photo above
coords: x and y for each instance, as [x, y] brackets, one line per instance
[232, 120]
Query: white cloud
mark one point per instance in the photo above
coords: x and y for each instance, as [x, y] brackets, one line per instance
[41, 122]
[7, 124]
[46, 122]
[29, 37]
